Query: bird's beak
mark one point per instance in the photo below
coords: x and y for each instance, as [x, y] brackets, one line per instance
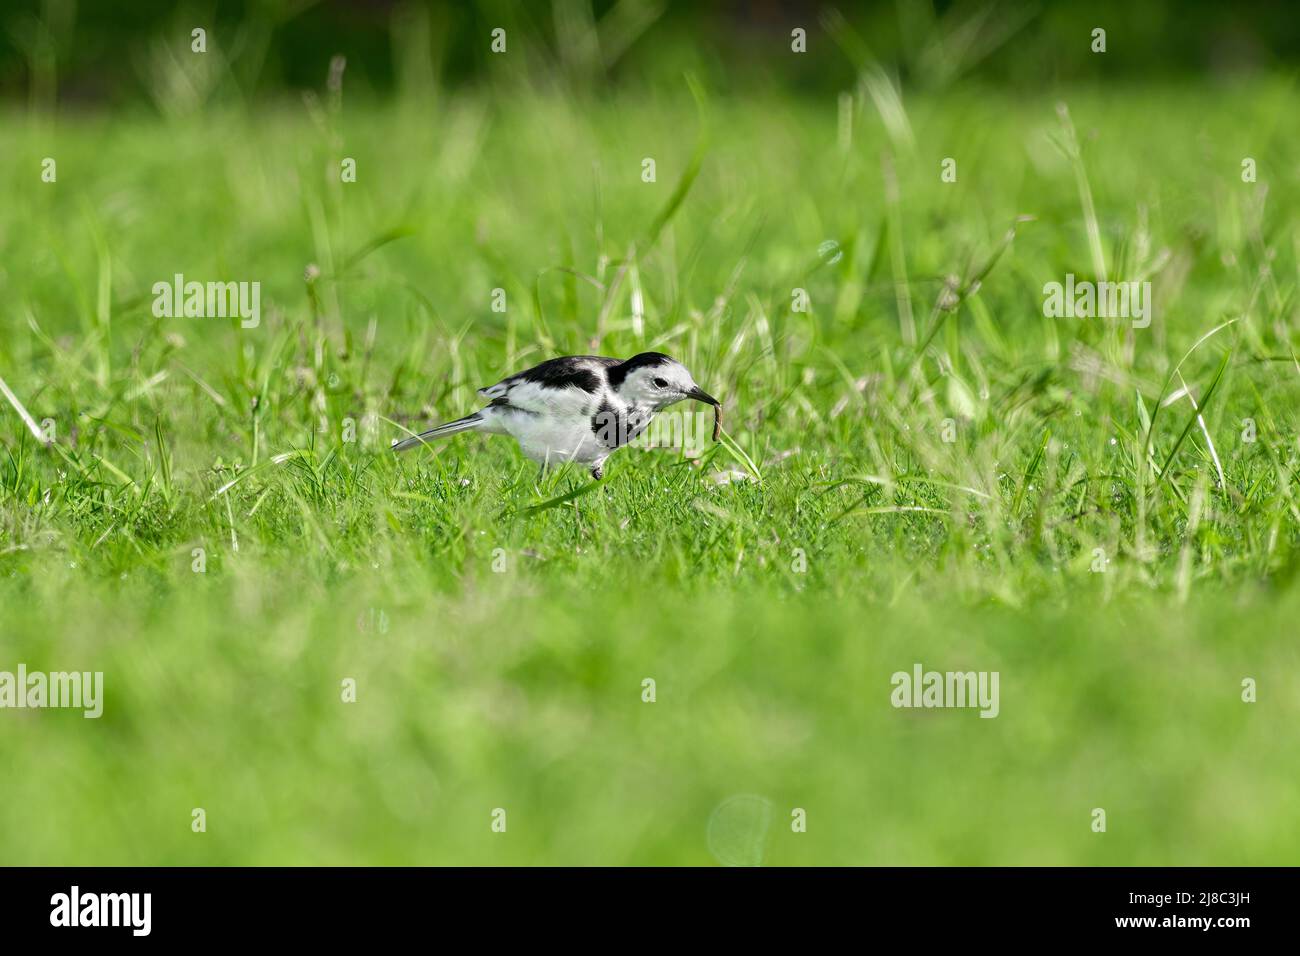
[700, 395]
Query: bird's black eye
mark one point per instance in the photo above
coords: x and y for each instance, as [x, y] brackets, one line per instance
[660, 383]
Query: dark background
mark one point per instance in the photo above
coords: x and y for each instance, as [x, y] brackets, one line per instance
[97, 50]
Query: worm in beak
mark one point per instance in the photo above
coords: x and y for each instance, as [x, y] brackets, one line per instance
[700, 395]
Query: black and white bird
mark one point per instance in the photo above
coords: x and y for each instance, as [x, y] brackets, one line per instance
[579, 408]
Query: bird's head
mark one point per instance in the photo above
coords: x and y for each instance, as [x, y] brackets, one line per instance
[656, 381]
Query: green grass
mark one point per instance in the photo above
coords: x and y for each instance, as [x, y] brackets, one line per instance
[521, 688]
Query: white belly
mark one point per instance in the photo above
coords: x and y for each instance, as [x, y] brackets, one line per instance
[555, 441]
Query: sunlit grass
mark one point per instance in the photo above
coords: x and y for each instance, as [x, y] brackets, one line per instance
[500, 628]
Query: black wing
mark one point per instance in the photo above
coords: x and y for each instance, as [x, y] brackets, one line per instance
[586, 372]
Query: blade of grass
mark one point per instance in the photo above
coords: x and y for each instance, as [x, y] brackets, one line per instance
[1196, 414]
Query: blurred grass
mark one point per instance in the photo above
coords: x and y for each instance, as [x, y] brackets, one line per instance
[530, 699]
[523, 689]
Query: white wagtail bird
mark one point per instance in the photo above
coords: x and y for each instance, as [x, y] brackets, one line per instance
[578, 408]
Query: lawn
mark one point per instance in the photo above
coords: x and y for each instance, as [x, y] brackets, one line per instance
[921, 467]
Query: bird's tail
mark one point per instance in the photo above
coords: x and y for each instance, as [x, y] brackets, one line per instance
[468, 423]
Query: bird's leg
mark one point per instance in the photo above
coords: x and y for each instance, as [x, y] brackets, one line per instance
[598, 470]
